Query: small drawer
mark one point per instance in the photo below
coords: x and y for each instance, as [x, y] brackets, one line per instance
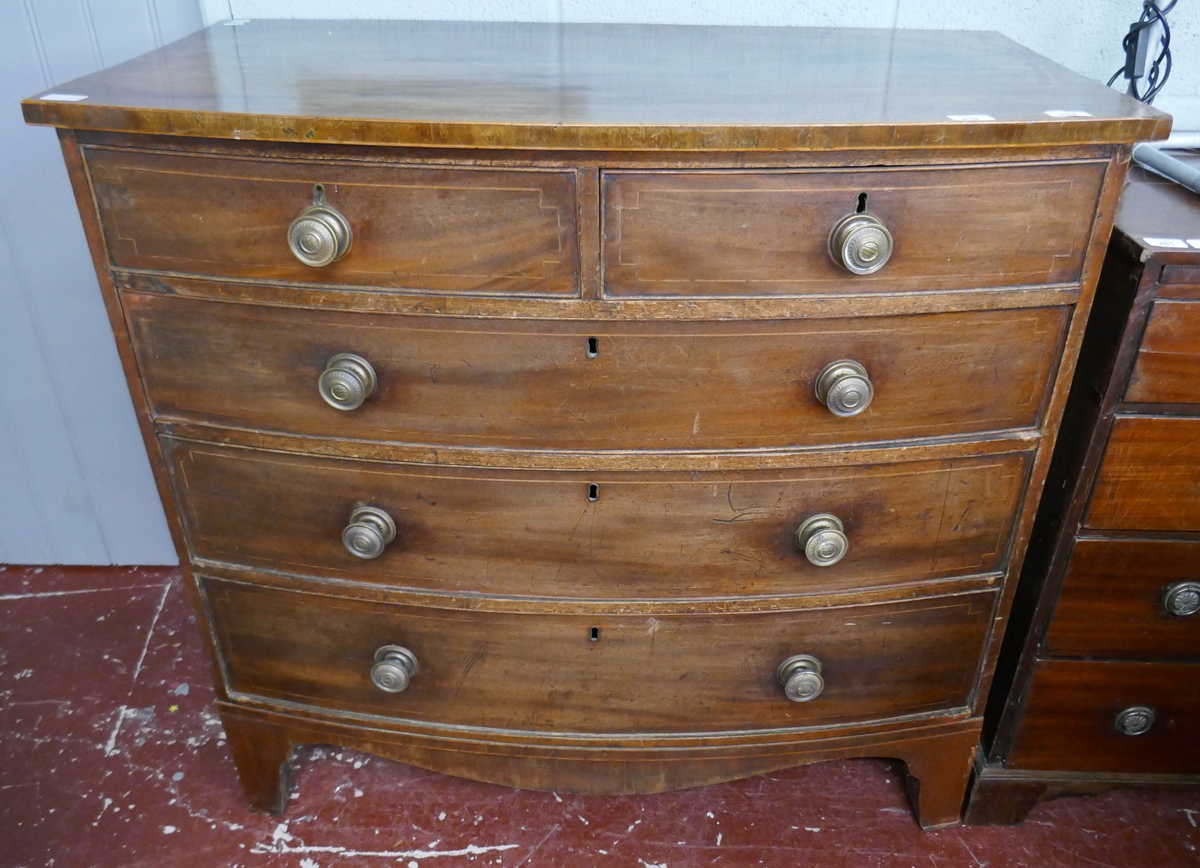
[691, 233]
[603, 535]
[1168, 362]
[1128, 598]
[598, 672]
[479, 231]
[1150, 477]
[1086, 717]
[545, 384]
[1179, 281]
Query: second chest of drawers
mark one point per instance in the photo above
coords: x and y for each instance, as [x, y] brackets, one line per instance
[1100, 669]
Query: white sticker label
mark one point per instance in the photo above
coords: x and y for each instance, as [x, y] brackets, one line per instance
[1173, 243]
[236, 22]
[63, 97]
[971, 117]
[1058, 113]
[1194, 242]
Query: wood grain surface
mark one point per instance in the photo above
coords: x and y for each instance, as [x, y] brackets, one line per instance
[1112, 601]
[1180, 281]
[429, 228]
[1168, 364]
[646, 536]
[495, 84]
[548, 674]
[531, 384]
[1150, 477]
[936, 752]
[1068, 719]
[767, 233]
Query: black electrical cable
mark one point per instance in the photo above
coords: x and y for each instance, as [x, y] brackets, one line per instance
[1160, 67]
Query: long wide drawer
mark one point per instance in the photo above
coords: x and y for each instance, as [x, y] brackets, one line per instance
[596, 672]
[1128, 598]
[414, 227]
[1150, 477]
[1075, 712]
[616, 535]
[544, 384]
[1168, 362]
[767, 233]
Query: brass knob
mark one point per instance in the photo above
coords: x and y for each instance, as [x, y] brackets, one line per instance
[822, 539]
[1182, 598]
[860, 243]
[394, 668]
[1135, 720]
[801, 678]
[845, 388]
[347, 381]
[370, 529]
[320, 235]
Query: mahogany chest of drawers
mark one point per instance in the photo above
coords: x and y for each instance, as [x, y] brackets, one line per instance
[1099, 684]
[605, 409]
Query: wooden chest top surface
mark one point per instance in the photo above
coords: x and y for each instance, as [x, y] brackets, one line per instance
[616, 87]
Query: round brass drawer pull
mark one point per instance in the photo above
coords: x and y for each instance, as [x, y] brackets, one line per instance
[801, 678]
[822, 539]
[370, 529]
[845, 388]
[1135, 720]
[1182, 598]
[347, 381]
[394, 668]
[860, 243]
[320, 235]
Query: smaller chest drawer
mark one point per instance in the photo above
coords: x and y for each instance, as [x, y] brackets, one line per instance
[555, 385]
[413, 227]
[1168, 362]
[1128, 598]
[1078, 716]
[598, 672]
[1150, 476]
[768, 233]
[604, 535]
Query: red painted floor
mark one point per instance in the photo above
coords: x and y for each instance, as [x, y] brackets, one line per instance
[111, 755]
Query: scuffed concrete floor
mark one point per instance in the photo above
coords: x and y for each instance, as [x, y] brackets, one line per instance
[111, 755]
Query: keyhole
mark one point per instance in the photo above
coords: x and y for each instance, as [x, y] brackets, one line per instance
[594, 635]
[593, 349]
[593, 492]
[319, 194]
[862, 203]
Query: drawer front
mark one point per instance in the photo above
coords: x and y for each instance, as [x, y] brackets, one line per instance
[1070, 717]
[546, 672]
[646, 535]
[767, 233]
[1179, 281]
[1150, 477]
[1168, 362]
[437, 229]
[540, 384]
[1115, 600]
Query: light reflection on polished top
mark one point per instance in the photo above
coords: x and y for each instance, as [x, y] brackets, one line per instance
[599, 86]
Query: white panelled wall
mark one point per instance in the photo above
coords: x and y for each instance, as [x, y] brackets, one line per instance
[75, 485]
